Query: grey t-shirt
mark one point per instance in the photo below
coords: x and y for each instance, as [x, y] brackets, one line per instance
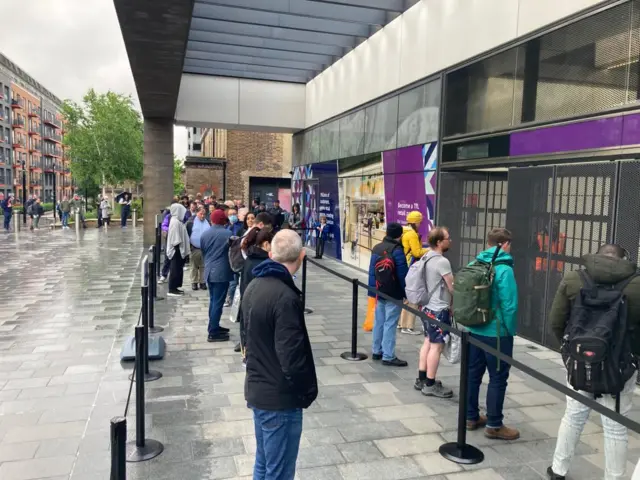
[437, 267]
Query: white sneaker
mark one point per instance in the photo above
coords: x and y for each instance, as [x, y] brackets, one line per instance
[410, 331]
[162, 280]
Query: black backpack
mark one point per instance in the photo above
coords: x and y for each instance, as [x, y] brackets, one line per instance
[385, 273]
[596, 347]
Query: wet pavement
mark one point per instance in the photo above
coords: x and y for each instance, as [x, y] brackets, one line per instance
[68, 303]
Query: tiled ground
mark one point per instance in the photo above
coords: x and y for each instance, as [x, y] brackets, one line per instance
[67, 304]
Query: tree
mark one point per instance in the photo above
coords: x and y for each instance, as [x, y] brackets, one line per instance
[178, 171]
[104, 137]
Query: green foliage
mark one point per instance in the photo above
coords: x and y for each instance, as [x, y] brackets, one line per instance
[178, 169]
[104, 135]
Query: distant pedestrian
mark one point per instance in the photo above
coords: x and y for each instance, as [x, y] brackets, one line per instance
[278, 215]
[99, 208]
[322, 234]
[387, 272]
[125, 209]
[29, 207]
[196, 226]
[249, 221]
[7, 210]
[215, 250]
[281, 376]
[177, 249]
[38, 211]
[78, 208]
[65, 210]
[164, 273]
[193, 209]
[105, 211]
[296, 222]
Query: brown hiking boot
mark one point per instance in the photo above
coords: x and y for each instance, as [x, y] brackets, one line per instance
[502, 433]
[475, 424]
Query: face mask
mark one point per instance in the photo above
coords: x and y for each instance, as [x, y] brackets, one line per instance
[233, 219]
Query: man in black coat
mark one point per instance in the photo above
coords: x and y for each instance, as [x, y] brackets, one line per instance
[281, 376]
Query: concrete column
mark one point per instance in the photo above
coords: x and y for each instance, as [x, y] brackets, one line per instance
[157, 177]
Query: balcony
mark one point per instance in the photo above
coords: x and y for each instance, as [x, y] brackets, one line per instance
[51, 120]
[19, 144]
[17, 123]
[16, 104]
[34, 112]
[52, 137]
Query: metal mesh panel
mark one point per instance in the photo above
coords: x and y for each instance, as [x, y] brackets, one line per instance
[633, 90]
[584, 67]
[628, 202]
[481, 95]
[475, 203]
[528, 214]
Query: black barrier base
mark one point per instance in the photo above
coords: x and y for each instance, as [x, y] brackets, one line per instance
[156, 329]
[465, 454]
[308, 310]
[152, 376]
[151, 449]
[358, 358]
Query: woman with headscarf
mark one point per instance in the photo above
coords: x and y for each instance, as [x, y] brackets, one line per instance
[105, 210]
[177, 248]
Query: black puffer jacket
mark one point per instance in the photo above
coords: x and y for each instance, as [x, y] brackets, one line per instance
[281, 374]
[255, 256]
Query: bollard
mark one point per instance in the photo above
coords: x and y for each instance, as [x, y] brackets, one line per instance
[158, 244]
[152, 292]
[143, 448]
[16, 225]
[133, 217]
[118, 448]
[78, 223]
[354, 355]
[307, 310]
[459, 451]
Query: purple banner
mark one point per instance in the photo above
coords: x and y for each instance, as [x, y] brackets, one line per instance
[590, 134]
[404, 185]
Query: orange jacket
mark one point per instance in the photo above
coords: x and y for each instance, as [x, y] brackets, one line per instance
[557, 248]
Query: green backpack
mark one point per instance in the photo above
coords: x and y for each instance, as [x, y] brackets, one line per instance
[472, 293]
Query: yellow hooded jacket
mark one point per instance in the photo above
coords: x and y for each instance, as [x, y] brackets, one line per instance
[411, 242]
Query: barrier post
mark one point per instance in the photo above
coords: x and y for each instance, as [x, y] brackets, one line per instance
[133, 217]
[353, 355]
[460, 451]
[142, 448]
[149, 376]
[307, 310]
[78, 222]
[152, 291]
[118, 448]
[158, 244]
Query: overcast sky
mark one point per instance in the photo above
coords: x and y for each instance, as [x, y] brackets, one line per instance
[70, 46]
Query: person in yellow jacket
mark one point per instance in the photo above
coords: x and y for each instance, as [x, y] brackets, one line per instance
[413, 251]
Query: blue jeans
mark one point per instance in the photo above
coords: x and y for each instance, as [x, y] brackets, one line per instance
[384, 329]
[479, 362]
[277, 443]
[7, 219]
[124, 214]
[232, 286]
[217, 295]
[65, 219]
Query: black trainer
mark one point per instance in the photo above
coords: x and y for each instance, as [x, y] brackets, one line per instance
[203, 286]
[175, 293]
[376, 356]
[194, 286]
[419, 384]
[220, 337]
[553, 476]
[223, 330]
[237, 348]
[396, 362]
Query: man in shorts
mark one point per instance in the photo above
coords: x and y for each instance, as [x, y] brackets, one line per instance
[440, 288]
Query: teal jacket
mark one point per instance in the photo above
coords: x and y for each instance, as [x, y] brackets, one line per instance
[504, 297]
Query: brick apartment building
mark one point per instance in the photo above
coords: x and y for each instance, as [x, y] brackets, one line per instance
[240, 164]
[31, 137]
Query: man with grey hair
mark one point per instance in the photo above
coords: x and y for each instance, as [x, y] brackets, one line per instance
[281, 376]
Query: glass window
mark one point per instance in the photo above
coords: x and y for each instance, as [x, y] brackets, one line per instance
[352, 134]
[381, 124]
[330, 141]
[419, 115]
